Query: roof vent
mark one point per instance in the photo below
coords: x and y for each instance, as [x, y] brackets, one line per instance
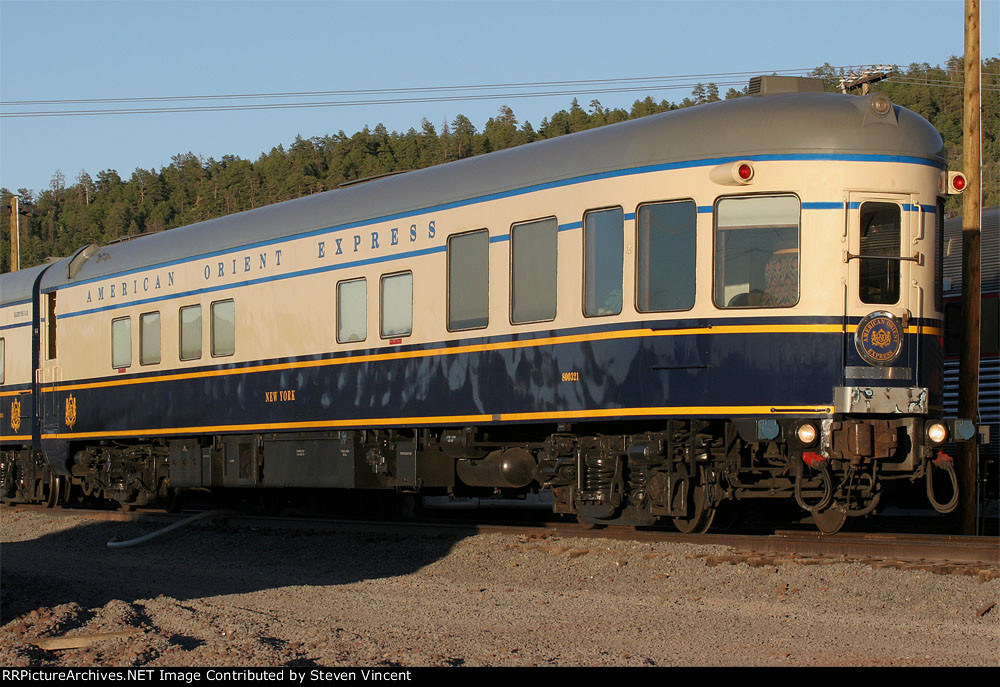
[772, 85]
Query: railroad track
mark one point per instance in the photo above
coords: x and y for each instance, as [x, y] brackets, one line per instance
[935, 553]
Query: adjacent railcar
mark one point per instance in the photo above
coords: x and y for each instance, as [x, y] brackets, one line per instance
[27, 474]
[989, 351]
[739, 300]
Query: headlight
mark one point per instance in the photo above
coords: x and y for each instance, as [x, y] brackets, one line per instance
[937, 432]
[806, 433]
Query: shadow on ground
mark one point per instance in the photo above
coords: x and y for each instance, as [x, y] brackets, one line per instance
[76, 565]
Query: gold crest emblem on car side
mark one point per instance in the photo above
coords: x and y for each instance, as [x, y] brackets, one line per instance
[15, 415]
[71, 411]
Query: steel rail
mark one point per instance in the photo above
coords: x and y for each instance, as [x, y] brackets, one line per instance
[915, 548]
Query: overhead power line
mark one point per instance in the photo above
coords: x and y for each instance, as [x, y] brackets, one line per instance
[376, 91]
[422, 94]
[219, 102]
[356, 103]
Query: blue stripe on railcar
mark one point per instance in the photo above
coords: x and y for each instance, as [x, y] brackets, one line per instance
[607, 375]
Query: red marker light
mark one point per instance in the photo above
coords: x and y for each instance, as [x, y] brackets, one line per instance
[734, 173]
[958, 182]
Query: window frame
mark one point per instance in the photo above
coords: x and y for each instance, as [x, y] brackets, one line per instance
[583, 226]
[638, 253]
[715, 248]
[339, 308]
[211, 333]
[889, 260]
[180, 332]
[159, 346]
[381, 305]
[513, 227]
[128, 319]
[447, 287]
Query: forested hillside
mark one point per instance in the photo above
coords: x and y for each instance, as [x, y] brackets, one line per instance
[86, 209]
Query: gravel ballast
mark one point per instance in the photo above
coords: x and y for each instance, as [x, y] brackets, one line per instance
[207, 597]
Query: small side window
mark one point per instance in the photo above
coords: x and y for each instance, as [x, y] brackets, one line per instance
[603, 252]
[121, 343]
[352, 311]
[2, 360]
[223, 328]
[50, 325]
[149, 338]
[665, 260]
[190, 332]
[469, 281]
[397, 305]
[533, 271]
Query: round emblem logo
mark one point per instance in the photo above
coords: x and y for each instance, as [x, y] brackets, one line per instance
[879, 338]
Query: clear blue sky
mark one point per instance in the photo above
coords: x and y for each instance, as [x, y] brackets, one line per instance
[65, 50]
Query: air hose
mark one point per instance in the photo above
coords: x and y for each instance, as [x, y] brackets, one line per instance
[824, 473]
[177, 525]
[943, 462]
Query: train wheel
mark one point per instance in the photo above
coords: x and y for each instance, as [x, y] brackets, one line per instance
[727, 516]
[589, 524]
[830, 520]
[175, 500]
[66, 493]
[54, 490]
[700, 516]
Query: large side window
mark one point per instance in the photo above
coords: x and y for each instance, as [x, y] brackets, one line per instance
[149, 338]
[665, 256]
[190, 332]
[397, 304]
[121, 342]
[603, 253]
[880, 236]
[352, 311]
[533, 267]
[223, 328]
[757, 252]
[469, 280]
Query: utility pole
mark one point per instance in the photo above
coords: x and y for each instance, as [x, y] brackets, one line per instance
[15, 236]
[968, 371]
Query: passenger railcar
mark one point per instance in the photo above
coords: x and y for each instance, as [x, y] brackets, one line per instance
[988, 482]
[739, 300]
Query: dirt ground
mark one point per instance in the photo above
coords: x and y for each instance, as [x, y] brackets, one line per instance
[206, 597]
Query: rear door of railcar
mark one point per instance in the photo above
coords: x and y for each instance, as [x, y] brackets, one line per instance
[884, 233]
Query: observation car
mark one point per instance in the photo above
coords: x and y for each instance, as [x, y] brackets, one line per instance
[734, 301]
